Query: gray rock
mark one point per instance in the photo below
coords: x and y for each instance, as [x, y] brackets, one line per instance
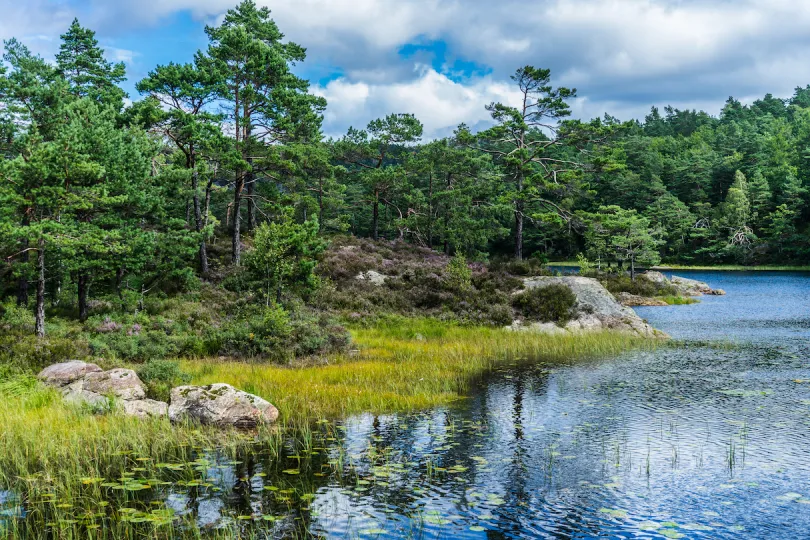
[120, 383]
[87, 384]
[145, 408]
[537, 327]
[692, 287]
[375, 278]
[597, 308]
[60, 375]
[220, 405]
[655, 277]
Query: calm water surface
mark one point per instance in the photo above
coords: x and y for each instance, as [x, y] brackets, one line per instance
[709, 438]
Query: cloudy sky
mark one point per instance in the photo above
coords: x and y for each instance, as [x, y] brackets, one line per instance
[443, 60]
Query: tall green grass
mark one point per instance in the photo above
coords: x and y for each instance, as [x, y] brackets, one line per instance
[406, 365]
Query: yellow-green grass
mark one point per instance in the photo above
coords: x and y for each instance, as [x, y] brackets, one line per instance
[679, 300]
[402, 367]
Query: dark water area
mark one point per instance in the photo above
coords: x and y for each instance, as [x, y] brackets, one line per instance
[708, 437]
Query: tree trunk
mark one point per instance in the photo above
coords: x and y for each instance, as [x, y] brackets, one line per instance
[40, 309]
[236, 256]
[376, 217]
[632, 268]
[519, 220]
[83, 286]
[250, 182]
[518, 230]
[204, 266]
[198, 218]
[320, 204]
[22, 285]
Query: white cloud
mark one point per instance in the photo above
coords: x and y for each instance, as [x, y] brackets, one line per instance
[439, 102]
[622, 55]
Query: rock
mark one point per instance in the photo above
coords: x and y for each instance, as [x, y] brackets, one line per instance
[220, 405]
[655, 277]
[60, 375]
[634, 300]
[597, 308]
[121, 383]
[692, 287]
[145, 408]
[537, 327]
[86, 384]
[375, 278]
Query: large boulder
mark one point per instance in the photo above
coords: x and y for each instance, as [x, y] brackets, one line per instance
[656, 277]
[220, 405]
[86, 384]
[375, 278]
[61, 375]
[145, 408]
[692, 287]
[120, 383]
[597, 309]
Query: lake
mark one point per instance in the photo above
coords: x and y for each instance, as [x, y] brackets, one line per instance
[708, 437]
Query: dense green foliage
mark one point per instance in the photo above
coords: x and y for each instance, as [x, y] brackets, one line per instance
[196, 220]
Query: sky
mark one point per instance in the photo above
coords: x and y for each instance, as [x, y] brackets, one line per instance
[444, 60]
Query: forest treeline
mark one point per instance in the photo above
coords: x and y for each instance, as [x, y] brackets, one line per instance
[103, 196]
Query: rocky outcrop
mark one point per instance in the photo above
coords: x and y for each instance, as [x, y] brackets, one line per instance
[634, 300]
[683, 286]
[220, 405]
[596, 309]
[375, 278]
[691, 287]
[87, 384]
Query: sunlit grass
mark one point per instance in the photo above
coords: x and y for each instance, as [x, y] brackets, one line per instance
[405, 366]
[679, 300]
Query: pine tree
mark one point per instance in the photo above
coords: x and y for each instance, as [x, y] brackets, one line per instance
[81, 62]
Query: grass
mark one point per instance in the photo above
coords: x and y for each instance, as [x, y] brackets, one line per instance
[679, 300]
[65, 461]
[404, 366]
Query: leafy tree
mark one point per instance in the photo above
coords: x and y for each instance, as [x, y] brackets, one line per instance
[628, 235]
[285, 253]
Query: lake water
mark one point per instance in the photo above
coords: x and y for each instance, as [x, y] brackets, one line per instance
[707, 438]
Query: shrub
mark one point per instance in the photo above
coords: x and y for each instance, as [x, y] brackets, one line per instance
[554, 303]
[621, 283]
[459, 275]
[161, 376]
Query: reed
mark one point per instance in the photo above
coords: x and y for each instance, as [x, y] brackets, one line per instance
[405, 365]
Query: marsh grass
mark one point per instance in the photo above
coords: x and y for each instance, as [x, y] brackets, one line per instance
[405, 365]
[79, 474]
[679, 300]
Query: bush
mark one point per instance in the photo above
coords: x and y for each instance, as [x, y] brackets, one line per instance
[459, 275]
[161, 376]
[621, 283]
[554, 303]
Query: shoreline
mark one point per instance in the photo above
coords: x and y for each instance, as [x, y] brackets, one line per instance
[707, 268]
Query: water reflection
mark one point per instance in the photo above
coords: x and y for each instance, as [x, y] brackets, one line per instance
[705, 439]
